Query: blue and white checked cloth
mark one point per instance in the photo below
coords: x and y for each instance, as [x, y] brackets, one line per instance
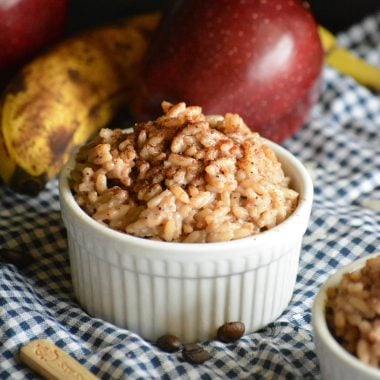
[341, 147]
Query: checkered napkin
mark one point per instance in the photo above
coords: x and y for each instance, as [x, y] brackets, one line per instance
[341, 147]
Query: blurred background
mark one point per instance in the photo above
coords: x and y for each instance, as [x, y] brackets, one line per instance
[336, 15]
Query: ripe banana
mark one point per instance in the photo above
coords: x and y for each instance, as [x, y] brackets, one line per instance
[348, 63]
[62, 97]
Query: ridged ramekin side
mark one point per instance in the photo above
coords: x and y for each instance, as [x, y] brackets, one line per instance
[165, 296]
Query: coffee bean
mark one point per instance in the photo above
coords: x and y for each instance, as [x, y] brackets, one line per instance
[15, 257]
[169, 343]
[230, 332]
[194, 353]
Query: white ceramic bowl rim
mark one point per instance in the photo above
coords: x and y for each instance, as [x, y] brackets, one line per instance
[304, 205]
[319, 320]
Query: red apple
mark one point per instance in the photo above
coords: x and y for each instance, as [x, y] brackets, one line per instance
[25, 27]
[259, 58]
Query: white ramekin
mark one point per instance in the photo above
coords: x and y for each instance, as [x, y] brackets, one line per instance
[335, 362]
[153, 287]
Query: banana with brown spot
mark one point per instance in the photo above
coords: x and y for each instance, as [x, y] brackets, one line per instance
[65, 95]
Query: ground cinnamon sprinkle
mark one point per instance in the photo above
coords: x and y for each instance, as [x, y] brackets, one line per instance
[184, 177]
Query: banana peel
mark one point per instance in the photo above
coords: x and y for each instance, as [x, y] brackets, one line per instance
[348, 63]
[62, 97]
